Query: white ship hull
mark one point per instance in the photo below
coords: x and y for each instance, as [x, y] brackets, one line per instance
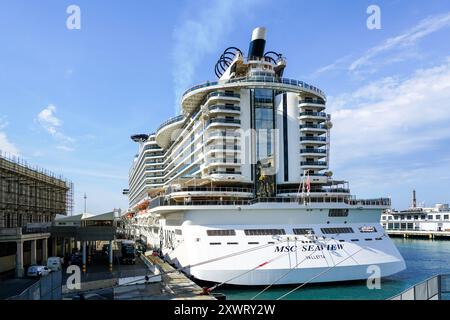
[253, 260]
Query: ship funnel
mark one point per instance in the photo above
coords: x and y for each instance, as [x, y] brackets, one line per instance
[258, 43]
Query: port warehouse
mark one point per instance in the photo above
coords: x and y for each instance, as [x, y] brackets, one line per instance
[30, 198]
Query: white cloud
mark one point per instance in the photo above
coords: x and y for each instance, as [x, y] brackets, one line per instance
[65, 148]
[52, 124]
[406, 39]
[338, 64]
[400, 48]
[6, 146]
[48, 120]
[392, 116]
[202, 33]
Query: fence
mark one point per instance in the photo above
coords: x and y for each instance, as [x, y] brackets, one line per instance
[47, 288]
[434, 288]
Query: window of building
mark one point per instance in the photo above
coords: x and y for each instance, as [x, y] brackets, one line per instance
[445, 216]
[438, 217]
[430, 217]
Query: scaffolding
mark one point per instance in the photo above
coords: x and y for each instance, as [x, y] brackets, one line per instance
[31, 194]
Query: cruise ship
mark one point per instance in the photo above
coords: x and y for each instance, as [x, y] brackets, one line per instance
[237, 188]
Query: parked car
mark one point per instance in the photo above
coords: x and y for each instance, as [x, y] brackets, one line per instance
[54, 263]
[38, 271]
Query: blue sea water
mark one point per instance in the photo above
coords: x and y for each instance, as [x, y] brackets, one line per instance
[424, 258]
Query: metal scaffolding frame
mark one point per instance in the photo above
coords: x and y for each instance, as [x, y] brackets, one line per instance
[31, 194]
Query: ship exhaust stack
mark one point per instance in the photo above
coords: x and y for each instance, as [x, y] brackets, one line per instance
[258, 43]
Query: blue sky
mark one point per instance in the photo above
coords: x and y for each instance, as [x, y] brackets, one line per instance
[70, 99]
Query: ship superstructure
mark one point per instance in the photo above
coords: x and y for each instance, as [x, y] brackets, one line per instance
[237, 188]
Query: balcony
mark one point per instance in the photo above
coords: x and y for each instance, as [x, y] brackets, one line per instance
[225, 161]
[226, 172]
[216, 108]
[313, 140]
[224, 147]
[313, 127]
[313, 151]
[312, 101]
[223, 134]
[313, 114]
[223, 94]
[224, 121]
[313, 163]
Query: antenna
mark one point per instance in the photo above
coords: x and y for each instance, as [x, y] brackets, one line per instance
[414, 200]
[85, 203]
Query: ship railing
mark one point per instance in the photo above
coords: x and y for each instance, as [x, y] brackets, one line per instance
[267, 79]
[223, 147]
[318, 151]
[324, 139]
[315, 101]
[170, 121]
[224, 107]
[223, 94]
[213, 189]
[166, 201]
[336, 190]
[223, 133]
[312, 114]
[313, 126]
[313, 163]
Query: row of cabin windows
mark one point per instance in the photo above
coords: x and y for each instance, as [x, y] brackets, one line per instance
[297, 231]
[417, 217]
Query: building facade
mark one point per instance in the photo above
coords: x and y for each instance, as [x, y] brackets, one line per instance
[30, 198]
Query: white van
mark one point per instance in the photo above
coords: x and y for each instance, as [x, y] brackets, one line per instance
[54, 263]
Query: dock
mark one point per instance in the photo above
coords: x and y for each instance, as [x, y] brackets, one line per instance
[419, 234]
[177, 285]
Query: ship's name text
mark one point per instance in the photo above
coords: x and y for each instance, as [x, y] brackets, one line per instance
[309, 248]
